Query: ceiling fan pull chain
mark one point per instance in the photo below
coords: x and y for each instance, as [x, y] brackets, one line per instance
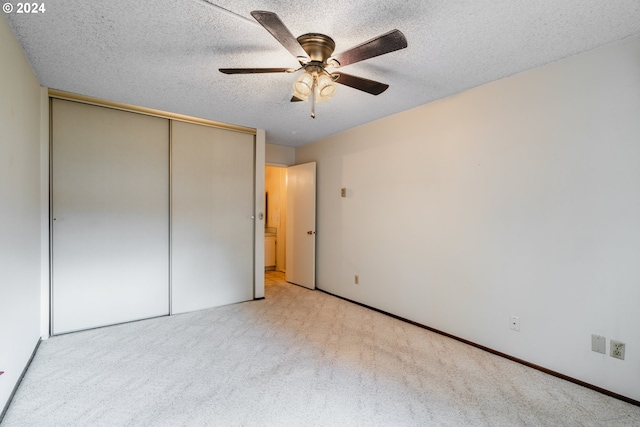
[313, 97]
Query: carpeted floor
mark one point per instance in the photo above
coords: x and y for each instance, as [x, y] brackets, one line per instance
[297, 358]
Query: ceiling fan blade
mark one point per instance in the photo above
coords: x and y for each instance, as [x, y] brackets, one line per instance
[389, 42]
[360, 83]
[255, 70]
[272, 23]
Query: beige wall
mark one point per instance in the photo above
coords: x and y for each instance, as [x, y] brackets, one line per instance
[20, 211]
[520, 197]
[279, 155]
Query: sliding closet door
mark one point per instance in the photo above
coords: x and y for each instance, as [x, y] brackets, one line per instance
[110, 216]
[211, 216]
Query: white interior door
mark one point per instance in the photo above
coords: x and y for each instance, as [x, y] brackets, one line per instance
[301, 225]
[212, 225]
[110, 216]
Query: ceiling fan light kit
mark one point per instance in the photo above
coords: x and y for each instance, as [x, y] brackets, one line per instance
[314, 53]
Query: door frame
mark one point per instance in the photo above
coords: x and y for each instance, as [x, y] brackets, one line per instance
[258, 260]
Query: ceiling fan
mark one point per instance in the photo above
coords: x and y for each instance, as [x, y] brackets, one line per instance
[315, 54]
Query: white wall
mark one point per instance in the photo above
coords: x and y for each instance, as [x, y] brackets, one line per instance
[520, 197]
[20, 210]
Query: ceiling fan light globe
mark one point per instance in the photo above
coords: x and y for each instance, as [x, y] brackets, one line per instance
[303, 85]
[301, 88]
[326, 88]
[300, 96]
[327, 91]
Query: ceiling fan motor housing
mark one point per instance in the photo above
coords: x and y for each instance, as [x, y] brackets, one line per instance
[318, 46]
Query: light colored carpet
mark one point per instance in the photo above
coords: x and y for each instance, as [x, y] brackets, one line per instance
[297, 358]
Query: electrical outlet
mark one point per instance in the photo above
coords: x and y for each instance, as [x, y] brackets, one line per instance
[616, 349]
[598, 344]
[514, 323]
[356, 279]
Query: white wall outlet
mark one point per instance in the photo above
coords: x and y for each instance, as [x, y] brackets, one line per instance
[598, 344]
[616, 349]
[514, 323]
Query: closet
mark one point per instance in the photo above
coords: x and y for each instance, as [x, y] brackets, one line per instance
[212, 217]
[149, 216]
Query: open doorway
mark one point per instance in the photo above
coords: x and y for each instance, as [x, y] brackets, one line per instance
[291, 222]
[275, 185]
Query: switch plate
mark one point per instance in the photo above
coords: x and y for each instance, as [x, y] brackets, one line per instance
[356, 279]
[515, 323]
[598, 344]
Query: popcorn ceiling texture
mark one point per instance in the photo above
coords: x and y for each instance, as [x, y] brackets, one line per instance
[165, 55]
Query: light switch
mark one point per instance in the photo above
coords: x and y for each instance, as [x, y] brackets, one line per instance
[598, 344]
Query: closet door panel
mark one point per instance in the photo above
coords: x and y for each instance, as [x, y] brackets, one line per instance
[110, 210]
[211, 217]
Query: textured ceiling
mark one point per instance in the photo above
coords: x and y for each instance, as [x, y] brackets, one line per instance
[165, 54]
